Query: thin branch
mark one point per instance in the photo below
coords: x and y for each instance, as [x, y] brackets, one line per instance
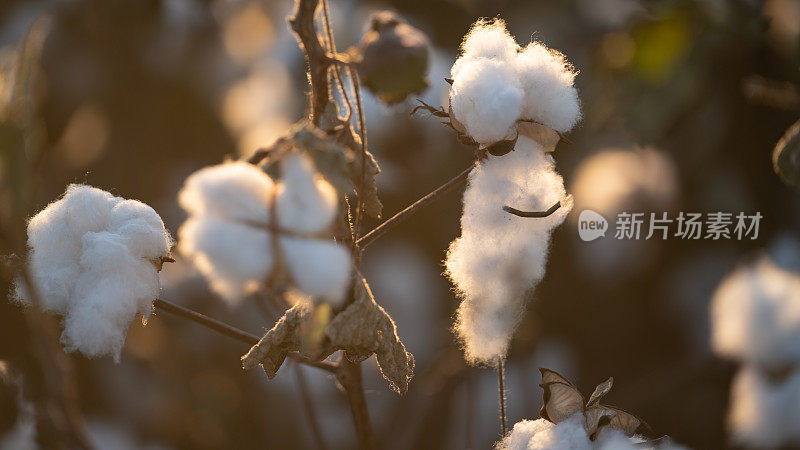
[502, 394]
[390, 223]
[362, 131]
[349, 377]
[326, 16]
[232, 332]
[302, 23]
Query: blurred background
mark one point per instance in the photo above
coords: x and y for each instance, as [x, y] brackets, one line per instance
[683, 104]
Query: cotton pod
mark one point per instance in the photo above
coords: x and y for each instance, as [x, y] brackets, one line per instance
[500, 257]
[755, 315]
[237, 244]
[496, 84]
[94, 258]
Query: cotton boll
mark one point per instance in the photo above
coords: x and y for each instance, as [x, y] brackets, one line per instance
[234, 257]
[141, 228]
[91, 259]
[546, 78]
[233, 190]
[487, 99]
[755, 315]
[499, 257]
[764, 413]
[305, 202]
[488, 40]
[543, 435]
[320, 268]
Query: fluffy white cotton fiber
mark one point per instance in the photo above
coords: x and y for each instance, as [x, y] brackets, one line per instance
[495, 84]
[755, 315]
[499, 257]
[571, 435]
[93, 258]
[229, 232]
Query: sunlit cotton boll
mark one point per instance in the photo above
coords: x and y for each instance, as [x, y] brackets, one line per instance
[499, 257]
[94, 258]
[764, 412]
[496, 84]
[755, 315]
[228, 237]
[570, 434]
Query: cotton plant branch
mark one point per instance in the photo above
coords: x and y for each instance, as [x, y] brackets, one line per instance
[232, 332]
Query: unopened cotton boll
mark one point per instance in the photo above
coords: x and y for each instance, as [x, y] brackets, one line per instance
[93, 259]
[764, 413]
[499, 257]
[755, 315]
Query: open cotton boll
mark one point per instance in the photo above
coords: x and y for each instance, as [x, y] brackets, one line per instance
[93, 259]
[233, 190]
[486, 39]
[543, 435]
[320, 268]
[755, 315]
[499, 257]
[305, 202]
[764, 413]
[487, 99]
[236, 258]
[547, 80]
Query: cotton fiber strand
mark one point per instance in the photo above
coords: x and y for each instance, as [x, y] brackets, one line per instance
[500, 257]
[755, 315]
[93, 258]
[496, 83]
[227, 233]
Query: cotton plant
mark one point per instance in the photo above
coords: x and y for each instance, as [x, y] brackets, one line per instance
[512, 102]
[755, 315]
[94, 258]
[244, 229]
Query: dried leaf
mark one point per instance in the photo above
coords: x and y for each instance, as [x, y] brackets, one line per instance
[600, 391]
[364, 328]
[283, 338]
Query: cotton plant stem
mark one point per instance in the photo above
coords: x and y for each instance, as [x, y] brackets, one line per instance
[349, 377]
[501, 390]
[392, 222]
[232, 332]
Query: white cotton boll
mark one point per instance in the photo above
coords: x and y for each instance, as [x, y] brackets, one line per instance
[233, 190]
[234, 257]
[487, 99]
[543, 435]
[763, 413]
[755, 315]
[305, 202]
[547, 80]
[499, 257]
[320, 268]
[92, 260]
[488, 40]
